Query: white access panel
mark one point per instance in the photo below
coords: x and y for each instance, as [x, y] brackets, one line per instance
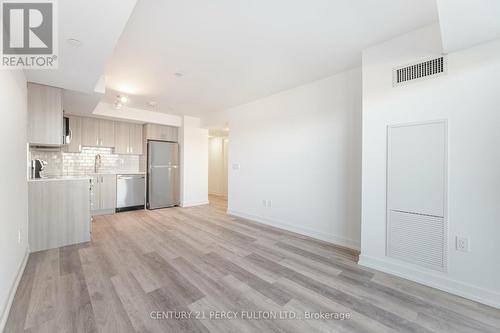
[416, 194]
[417, 168]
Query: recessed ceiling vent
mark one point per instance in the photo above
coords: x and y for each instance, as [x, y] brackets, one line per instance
[419, 71]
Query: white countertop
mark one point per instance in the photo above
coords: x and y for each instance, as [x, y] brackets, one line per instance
[84, 177]
[59, 178]
[119, 173]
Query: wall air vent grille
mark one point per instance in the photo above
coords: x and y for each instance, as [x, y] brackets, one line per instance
[421, 70]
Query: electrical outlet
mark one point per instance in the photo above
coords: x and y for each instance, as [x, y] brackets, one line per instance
[462, 244]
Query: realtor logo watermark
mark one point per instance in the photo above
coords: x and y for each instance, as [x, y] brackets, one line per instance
[29, 34]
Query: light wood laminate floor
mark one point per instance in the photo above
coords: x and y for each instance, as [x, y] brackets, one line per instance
[199, 260]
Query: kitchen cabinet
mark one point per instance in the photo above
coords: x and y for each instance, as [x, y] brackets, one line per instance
[98, 132]
[90, 132]
[75, 126]
[45, 115]
[58, 213]
[106, 133]
[128, 138]
[160, 132]
[103, 194]
[122, 137]
[94, 193]
[108, 192]
[136, 139]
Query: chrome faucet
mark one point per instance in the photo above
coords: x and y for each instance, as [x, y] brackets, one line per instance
[97, 162]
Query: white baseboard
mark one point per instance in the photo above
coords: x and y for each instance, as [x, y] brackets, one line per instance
[13, 289]
[430, 279]
[192, 204]
[336, 240]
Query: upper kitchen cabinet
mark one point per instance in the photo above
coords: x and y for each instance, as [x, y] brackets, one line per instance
[128, 138]
[90, 132]
[98, 132]
[160, 132]
[136, 139]
[75, 127]
[106, 133]
[122, 138]
[45, 115]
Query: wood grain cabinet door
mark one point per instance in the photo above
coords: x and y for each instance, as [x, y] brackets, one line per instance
[45, 115]
[107, 193]
[106, 133]
[122, 138]
[136, 139]
[95, 201]
[90, 132]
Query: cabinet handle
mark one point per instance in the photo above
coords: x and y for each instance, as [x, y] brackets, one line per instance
[101, 179]
[97, 142]
[79, 148]
[131, 149]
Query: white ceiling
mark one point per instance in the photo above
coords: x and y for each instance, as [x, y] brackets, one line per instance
[98, 25]
[236, 51]
[465, 23]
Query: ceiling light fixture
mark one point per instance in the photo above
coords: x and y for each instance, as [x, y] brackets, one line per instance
[119, 101]
[122, 98]
[74, 41]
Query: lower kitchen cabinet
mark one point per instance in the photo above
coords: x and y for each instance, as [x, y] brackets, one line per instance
[58, 213]
[103, 194]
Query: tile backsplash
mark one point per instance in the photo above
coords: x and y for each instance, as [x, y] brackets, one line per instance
[61, 163]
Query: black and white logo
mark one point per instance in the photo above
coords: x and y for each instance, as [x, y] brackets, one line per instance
[29, 34]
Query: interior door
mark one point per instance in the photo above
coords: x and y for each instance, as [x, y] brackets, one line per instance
[225, 151]
[163, 174]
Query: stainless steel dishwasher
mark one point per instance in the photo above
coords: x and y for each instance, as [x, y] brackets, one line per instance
[130, 192]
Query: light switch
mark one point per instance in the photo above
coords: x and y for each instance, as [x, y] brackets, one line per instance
[236, 166]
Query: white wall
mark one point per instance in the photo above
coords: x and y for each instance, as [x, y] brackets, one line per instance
[217, 165]
[194, 162]
[301, 149]
[468, 97]
[14, 187]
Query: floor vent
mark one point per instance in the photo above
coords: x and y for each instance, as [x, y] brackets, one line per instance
[418, 71]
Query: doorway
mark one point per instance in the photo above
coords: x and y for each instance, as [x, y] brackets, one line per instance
[218, 148]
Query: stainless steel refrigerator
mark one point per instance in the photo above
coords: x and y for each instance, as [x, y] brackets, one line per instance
[163, 174]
